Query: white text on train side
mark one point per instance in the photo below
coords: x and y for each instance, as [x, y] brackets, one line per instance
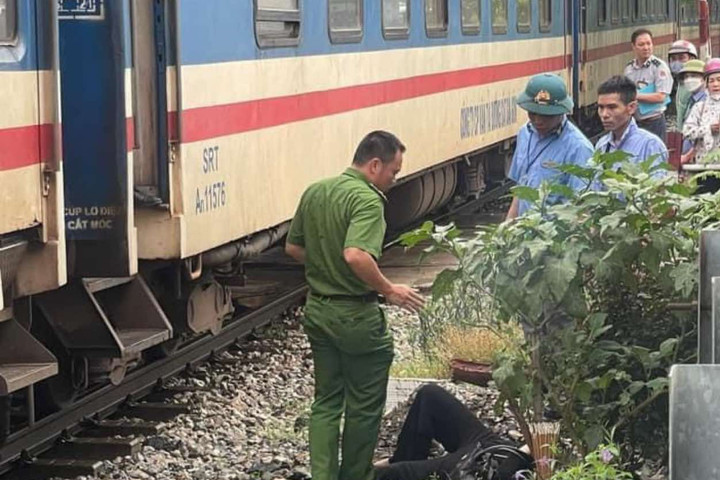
[486, 117]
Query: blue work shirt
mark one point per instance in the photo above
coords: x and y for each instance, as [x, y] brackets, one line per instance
[566, 145]
[639, 143]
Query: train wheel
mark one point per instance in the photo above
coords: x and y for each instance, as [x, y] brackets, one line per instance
[404, 204]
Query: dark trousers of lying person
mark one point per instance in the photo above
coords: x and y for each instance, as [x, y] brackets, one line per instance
[437, 415]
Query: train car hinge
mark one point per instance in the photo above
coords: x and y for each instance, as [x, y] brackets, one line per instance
[46, 181]
[174, 148]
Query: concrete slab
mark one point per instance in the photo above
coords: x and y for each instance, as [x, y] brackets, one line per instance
[400, 389]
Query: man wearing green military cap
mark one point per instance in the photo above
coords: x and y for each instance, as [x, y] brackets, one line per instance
[548, 136]
[337, 232]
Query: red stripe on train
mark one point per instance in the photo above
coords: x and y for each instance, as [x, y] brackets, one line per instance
[24, 146]
[608, 51]
[217, 121]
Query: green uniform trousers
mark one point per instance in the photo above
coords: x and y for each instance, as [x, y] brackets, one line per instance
[352, 351]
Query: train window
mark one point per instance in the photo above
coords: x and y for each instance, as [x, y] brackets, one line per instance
[8, 21]
[602, 12]
[470, 17]
[396, 18]
[625, 7]
[641, 9]
[345, 19]
[545, 15]
[523, 15]
[499, 16]
[436, 17]
[277, 23]
[615, 11]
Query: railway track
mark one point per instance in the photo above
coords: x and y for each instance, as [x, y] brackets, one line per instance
[26, 444]
[74, 435]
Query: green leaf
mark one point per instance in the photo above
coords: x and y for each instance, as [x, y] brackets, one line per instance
[635, 387]
[574, 302]
[685, 276]
[560, 272]
[412, 238]
[596, 321]
[593, 436]
[526, 193]
[583, 392]
[680, 189]
[444, 283]
[658, 384]
[562, 190]
[576, 170]
[667, 347]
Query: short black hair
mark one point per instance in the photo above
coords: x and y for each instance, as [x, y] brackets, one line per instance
[638, 32]
[377, 144]
[621, 85]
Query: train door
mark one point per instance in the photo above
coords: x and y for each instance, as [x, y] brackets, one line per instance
[150, 169]
[94, 54]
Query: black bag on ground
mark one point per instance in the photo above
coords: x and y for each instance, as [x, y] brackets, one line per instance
[497, 462]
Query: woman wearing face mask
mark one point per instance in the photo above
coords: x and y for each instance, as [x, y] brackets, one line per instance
[692, 82]
[702, 126]
[681, 52]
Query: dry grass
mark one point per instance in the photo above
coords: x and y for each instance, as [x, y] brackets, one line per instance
[465, 343]
[471, 344]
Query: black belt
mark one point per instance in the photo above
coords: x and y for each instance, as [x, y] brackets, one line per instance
[367, 298]
[651, 119]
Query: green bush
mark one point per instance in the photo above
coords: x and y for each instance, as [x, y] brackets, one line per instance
[590, 281]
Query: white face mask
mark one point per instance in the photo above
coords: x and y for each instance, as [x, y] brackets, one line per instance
[693, 84]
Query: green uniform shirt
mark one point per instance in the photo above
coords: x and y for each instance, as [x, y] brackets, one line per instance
[334, 214]
[682, 100]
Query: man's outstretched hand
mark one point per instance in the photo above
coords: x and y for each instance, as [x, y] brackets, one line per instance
[405, 297]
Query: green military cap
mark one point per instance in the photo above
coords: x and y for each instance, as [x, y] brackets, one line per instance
[693, 66]
[545, 94]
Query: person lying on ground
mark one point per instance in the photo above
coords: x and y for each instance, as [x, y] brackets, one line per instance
[437, 415]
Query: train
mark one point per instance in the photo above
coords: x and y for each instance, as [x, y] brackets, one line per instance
[150, 147]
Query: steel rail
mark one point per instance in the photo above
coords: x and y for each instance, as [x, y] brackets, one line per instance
[42, 435]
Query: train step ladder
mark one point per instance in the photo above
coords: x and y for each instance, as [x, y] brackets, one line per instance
[23, 359]
[106, 318]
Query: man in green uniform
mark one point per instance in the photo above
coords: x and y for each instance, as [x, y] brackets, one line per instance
[337, 232]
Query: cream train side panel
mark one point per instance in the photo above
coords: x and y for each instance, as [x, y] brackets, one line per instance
[44, 266]
[21, 198]
[262, 174]
[131, 143]
[20, 187]
[296, 75]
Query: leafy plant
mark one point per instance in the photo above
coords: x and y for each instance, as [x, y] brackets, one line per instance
[600, 464]
[590, 280]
